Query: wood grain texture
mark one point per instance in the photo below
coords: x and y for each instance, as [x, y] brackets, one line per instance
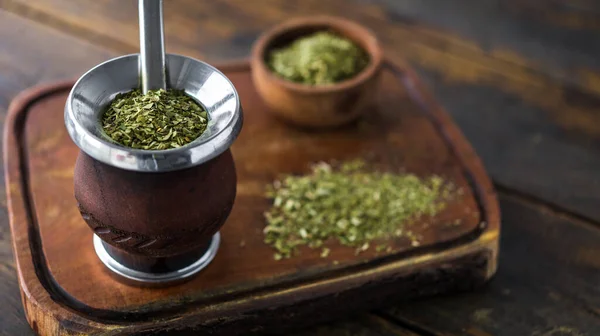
[547, 282]
[519, 77]
[36, 56]
[177, 219]
[406, 131]
[483, 58]
[371, 325]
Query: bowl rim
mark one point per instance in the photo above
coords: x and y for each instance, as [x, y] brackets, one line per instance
[366, 40]
[194, 153]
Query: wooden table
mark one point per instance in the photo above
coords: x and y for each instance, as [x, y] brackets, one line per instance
[521, 78]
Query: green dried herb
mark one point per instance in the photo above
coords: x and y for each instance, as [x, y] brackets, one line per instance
[157, 120]
[318, 59]
[349, 204]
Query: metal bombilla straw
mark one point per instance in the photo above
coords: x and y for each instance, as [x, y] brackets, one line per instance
[152, 45]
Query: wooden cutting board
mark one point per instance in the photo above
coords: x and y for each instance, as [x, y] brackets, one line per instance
[66, 289]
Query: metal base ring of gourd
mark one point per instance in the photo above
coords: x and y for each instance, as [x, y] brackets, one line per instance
[156, 278]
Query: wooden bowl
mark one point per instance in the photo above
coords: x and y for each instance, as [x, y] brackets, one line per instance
[317, 105]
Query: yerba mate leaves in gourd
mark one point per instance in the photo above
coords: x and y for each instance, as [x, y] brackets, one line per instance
[318, 59]
[160, 119]
[351, 205]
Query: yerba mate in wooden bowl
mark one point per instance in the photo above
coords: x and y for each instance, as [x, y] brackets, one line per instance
[317, 72]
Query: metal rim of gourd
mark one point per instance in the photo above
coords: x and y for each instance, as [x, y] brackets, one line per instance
[92, 93]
